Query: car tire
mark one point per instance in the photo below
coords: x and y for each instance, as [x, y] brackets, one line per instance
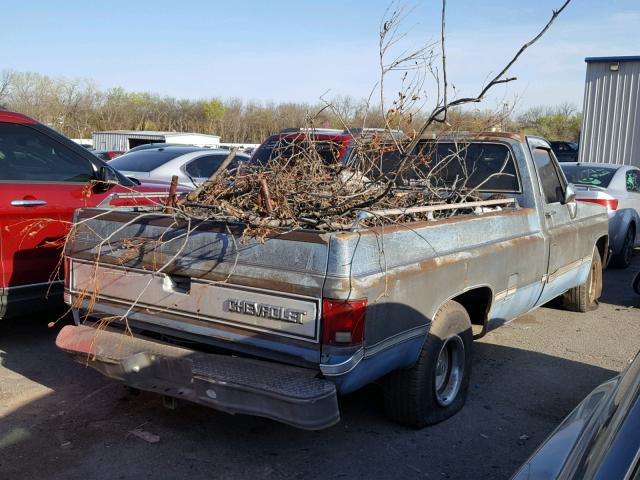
[623, 259]
[435, 388]
[585, 297]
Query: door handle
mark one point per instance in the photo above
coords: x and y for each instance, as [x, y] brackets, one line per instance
[27, 203]
[549, 214]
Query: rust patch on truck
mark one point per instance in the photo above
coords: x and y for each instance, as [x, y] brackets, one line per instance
[410, 226]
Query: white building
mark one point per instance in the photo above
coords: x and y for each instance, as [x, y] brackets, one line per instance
[123, 140]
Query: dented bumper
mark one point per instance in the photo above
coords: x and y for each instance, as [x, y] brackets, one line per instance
[288, 394]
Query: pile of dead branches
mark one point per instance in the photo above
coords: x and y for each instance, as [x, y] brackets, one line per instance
[299, 188]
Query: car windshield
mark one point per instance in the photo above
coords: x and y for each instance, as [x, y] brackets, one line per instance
[588, 175]
[145, 160]
[292, 148]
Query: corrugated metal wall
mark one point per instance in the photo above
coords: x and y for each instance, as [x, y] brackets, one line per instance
[611, 123]
[119, 141]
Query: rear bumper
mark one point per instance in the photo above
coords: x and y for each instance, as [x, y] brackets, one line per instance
[284, 393]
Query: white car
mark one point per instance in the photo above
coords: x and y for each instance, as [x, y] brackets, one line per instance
[192, 165]
[616, 187]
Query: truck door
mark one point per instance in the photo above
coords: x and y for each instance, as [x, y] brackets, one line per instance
[558, 223]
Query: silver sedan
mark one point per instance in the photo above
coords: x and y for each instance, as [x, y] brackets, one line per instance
[616, 187]
[192, 165]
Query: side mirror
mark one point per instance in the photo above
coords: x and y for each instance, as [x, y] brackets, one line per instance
[107, 178]
[569, 194]
[570, 200]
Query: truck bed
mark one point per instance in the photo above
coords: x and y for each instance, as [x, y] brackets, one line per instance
[201, 281]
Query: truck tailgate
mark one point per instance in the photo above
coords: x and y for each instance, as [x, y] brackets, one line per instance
[199, 278]
[288, 315]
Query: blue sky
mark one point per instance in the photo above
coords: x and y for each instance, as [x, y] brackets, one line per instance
[297, 50]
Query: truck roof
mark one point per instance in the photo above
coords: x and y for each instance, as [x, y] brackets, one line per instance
[477, 136]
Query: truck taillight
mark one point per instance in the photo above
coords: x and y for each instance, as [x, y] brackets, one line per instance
[67, 272]
[343, 321]
[610, 203]
[67, 280]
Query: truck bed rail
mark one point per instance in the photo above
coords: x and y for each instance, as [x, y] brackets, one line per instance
[364, 214]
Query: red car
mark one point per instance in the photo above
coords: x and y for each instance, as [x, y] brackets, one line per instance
[44, 177]
[107, 155]
[333, 145]
[330, 144]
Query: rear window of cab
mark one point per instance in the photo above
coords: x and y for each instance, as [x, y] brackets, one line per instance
[478, 166]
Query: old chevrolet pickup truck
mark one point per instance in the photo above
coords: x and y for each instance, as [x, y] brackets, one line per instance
[279, 328]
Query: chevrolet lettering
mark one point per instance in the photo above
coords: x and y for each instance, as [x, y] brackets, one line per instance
[265, 310]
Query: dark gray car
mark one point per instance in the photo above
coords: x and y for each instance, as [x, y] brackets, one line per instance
[600, 439]
[565, 151]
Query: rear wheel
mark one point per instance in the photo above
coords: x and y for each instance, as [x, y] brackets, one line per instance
[435, 388]
[584, 298]
[623, 259]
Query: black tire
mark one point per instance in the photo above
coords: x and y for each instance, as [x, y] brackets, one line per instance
[584, 298]
[411, 396]
[623, 258]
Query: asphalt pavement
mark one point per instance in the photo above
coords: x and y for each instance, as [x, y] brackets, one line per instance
[61, 420]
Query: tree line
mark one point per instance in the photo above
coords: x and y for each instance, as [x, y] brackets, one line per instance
[78, 107]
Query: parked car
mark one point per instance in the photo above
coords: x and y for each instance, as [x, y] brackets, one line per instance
[107, 155]
[44, 178]
[333, 145]
[600, 439]
[192, 165]
[146, 146]
[565, 151]
[279, 326]
[616, 187]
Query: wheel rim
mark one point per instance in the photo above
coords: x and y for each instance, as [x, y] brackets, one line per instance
[449, 371]
[592, 283]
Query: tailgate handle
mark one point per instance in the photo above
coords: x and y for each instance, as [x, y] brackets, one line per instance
[176, 284]
[27, 203]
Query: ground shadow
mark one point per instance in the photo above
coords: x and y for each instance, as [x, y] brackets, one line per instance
[78, 428]
[618, 289]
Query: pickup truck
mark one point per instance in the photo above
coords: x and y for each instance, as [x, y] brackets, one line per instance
[44, 178]
[278, 328]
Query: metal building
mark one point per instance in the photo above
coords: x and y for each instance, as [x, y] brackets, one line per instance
[123, 140]
[611, 109]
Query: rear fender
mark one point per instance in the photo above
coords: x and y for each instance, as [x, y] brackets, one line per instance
[619, 224]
